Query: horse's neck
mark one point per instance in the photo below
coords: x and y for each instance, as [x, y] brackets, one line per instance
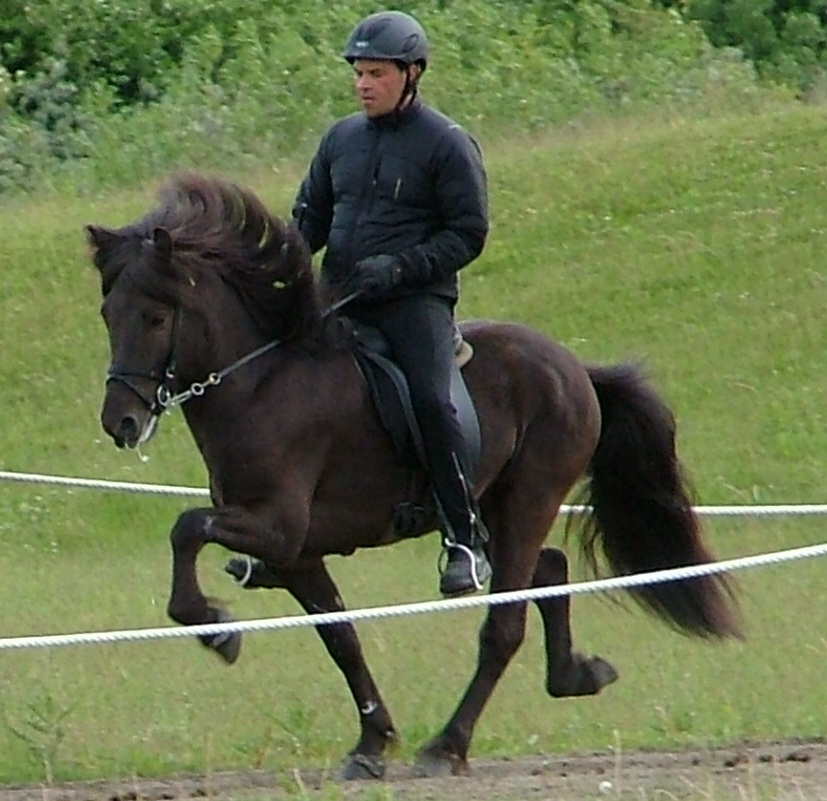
[226, 399]
[232, 337]
[229, 370]
[240, 423]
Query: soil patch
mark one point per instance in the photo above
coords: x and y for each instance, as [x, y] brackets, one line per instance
[779, 770]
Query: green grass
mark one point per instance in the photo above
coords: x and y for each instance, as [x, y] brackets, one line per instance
[694, 243]
[169, 706]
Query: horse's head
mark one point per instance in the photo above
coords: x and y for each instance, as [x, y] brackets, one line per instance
[202, 279]
[141, 309]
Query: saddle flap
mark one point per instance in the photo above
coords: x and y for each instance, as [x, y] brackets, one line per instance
[391, 396]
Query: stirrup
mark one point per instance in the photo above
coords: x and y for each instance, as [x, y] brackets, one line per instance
[474, 559]
[470, 564]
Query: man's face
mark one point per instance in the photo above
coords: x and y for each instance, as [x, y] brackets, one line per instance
[378, 84]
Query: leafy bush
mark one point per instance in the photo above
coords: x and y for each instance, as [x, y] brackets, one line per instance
[125, 88]
[785, 39]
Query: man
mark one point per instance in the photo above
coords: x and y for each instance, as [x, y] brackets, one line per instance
[397, 195]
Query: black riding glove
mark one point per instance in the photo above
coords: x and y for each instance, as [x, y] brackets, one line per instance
[375, 276]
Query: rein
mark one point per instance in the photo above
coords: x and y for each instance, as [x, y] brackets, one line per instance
[165, 399]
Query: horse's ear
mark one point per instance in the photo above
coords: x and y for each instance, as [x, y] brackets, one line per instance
[162, 244]
[158, 249]
[99, 238]
[102, 242]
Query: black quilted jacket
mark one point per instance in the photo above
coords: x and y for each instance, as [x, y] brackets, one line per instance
[411, 184]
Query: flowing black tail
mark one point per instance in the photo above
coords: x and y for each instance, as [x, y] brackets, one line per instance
[642, 516]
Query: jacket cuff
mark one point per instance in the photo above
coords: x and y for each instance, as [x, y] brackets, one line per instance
[416, 269]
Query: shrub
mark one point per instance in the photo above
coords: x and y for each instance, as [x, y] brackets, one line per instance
[123, 89]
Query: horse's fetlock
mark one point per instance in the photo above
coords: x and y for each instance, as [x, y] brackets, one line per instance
[384, 729]
[189, 611]
[178, 613]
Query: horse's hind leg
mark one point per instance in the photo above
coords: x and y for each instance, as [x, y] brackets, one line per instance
[501, 636]
[519, 523]
[502, 632]
[314, 589]
[567, 672]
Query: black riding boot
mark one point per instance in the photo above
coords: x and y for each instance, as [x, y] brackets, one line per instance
[466, 568]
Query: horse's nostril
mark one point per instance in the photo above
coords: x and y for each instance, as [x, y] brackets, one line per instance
[124, 432]
[128, 429]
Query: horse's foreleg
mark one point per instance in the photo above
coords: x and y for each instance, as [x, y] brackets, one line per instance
[187, 604]
[567, 672]
[314, 589]
[235, 529]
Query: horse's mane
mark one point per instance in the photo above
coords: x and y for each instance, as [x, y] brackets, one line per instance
[220, 227]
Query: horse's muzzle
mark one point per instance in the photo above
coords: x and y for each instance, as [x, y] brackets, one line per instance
[125, 418]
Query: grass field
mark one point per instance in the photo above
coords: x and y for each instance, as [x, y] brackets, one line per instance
[694, 243]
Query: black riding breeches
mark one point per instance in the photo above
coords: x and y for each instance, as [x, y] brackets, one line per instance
[420, 330]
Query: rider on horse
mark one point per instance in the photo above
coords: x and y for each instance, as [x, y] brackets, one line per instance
[397, 195]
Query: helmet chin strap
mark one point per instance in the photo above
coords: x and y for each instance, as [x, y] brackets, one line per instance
[409, 90]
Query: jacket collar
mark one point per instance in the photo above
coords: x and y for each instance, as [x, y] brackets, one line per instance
[396, 119]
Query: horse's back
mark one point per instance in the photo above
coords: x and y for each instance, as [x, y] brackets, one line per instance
[522, 342]
[525, 386]
[527, 358]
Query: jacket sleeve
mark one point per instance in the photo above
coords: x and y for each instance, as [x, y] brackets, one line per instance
[462, 206]
[313, 207]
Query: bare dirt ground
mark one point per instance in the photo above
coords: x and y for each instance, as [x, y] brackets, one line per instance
[748, 771]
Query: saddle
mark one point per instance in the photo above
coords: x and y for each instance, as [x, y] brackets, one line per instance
[391, 396]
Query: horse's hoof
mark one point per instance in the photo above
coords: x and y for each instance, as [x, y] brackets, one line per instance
[251, 574]
[429, 765]
[586, 676]
[227, 644]
[358, 767]
[602, 672]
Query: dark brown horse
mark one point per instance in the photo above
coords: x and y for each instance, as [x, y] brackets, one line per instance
[210, 302]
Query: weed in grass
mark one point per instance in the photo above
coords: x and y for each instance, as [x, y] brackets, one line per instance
[41, 727]
[297, 722]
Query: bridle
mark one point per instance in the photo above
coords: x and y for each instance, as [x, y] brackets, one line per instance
[158, 403]
[164, 397]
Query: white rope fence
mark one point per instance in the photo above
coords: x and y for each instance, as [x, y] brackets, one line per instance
[423, 607]
[162, 489]
[96, 483]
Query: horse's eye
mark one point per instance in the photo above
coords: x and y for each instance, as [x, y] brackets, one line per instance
[154, 319]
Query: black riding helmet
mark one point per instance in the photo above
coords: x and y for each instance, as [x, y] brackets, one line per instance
[388, 35]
